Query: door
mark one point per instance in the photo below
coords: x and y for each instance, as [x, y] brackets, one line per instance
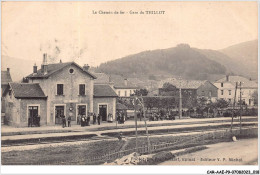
[33, 113]
[103, 112]
[59, 112]
[81, 110]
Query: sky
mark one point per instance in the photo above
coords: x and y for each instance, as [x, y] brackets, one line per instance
[71, 32]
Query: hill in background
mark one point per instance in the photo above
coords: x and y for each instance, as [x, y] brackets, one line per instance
[187, 63]
[244, 56]
[180, 61]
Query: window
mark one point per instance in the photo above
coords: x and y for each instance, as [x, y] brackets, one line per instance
[229, 100]
[125, 93]
[210, 93]
[119, 93]
[130, 92]
[71, 71]
[222, 92]
[203, 93]
[222, 85]
[59, 89]
[229, 92]
[82, 89]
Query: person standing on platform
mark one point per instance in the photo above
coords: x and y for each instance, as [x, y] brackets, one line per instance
[30, 121]
[69, 120]
[94, 118]
[79, 120]
[82, 122]
[98, 119]
[63, 121]
[88, 119]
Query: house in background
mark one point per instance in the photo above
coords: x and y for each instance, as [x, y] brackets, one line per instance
[191, 89]
[67, 89]
[226, 89]
[121, 85]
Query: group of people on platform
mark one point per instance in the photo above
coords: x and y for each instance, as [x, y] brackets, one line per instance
[34, 121]
[156, 116]
[63, 118]
[84, 120]
[120, 117]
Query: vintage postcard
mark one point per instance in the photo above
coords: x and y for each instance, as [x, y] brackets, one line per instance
[130, 83]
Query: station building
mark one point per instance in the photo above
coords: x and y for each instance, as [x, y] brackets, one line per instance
[55, 90]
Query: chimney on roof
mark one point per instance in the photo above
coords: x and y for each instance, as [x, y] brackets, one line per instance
[125, 81]
[86, 67]
[34, 68]
[8, 69]
[227, 77]
[44, 64]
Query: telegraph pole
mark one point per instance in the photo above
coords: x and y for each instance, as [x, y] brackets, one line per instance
[234, 106]
[136, 144]
[240, 106]
[180, 103]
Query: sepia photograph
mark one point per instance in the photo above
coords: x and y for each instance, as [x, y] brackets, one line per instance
[113, 83]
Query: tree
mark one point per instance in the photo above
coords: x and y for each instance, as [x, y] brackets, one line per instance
[255, 97]
[221, 103]
[168, 90]
[141, 92]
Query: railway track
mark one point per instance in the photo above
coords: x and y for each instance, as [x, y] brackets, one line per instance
[105, 137]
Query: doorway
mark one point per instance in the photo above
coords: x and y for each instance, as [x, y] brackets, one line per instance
[81, 110]
[103, 112]
[33, 113]
[59, 112]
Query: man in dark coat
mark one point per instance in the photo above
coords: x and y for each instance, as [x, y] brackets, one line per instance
[94, 118]
[88, 120]
[123, 118]
[63, 121]
[30, 121]
[98, 119]
[69, 120]
[82, 122]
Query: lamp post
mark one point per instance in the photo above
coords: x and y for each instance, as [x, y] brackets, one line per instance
[233, 107]
[240, 106]
[180, 102]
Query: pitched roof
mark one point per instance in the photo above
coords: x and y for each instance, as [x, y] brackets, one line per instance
[5, 77]
[246, 83]
[27, 90]
[119, 82]
[184, 84]
[104, 91]
[102, 78]
[53, 68]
